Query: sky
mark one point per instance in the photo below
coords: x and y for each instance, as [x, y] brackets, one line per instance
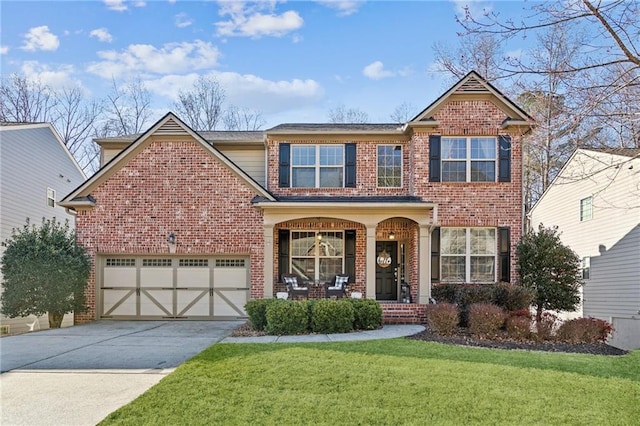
[293, 61]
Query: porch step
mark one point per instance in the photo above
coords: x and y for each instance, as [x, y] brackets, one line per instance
[404, 313]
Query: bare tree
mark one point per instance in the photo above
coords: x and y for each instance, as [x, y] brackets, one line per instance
[127, 110]
[342, 114]
[201, 106]
[403, 113]
[481, 53]
[25, 101]
[242, 119]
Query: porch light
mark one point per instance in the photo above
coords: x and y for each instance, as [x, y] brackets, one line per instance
[319, 236]
[171, 239]
[392, 236]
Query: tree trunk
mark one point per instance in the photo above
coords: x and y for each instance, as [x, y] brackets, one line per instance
[55, 319]
[538, 314]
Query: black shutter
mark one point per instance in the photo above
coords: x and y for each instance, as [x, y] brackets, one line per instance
[284, 180]
[350, 254]
[504, 250]
[435, 255]
[283, 252]
[350, 165]
[434, 158]
[504, 159]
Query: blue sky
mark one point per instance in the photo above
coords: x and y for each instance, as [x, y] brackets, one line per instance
[294, 60]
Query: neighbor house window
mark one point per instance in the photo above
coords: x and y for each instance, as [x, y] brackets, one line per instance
[317, 166]
[586, 209]
[468, 254]
[51, 197]
[469, 159]
[317, 255]
[586, 268]
[389, 166]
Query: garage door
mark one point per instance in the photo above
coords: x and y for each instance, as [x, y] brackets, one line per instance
[214, 288]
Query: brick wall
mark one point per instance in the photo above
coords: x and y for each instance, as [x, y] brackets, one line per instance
[172, 187]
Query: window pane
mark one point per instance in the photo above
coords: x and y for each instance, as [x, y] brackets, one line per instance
[305, 268]
[331, 244]
[483, 241]
[483, 171]
[330, 267]
[482, 269]
[303, 243]
[303, 155]
[303, 177]
[453, 268]
[452, 241]
[586, 209]
[331, 177]
[483, 148]
[389, 166]
[454, 171]
[453, 148]
[331, 155]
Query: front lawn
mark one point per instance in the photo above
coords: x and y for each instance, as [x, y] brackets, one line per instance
[394, 382]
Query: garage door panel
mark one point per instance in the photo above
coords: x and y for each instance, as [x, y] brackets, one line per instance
[156, 277]
[119, 302]
[193, 277]
[229, 277]
[119, 277]
[156, 303]
[193, 303]
[229, 302]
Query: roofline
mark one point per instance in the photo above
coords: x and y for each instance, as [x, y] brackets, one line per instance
[398, 131]
[356, 204]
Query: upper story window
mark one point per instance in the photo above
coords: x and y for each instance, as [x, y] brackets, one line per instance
[51, 197]
[469, 159]
[468, 254]
[317, 166]
[389, 166]
[586, 209]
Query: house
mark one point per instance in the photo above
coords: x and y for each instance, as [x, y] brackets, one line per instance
[36, 170]
[186, 224]
[595, 203]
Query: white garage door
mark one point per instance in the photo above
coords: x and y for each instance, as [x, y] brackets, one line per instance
[174, 287]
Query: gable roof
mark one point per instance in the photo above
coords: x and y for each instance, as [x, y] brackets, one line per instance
[474, 84]
[169, 125]
[625, 152]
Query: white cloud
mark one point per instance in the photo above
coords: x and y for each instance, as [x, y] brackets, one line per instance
[248, 20]
[4, 50]
[122, 5]
[182, 20]
[171, 58]
[376, 71]
[55, 78]
[344, 8]
[101, 34]
[40, 38]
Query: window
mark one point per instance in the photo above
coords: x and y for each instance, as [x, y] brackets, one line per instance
[229, 263]
[116, 263]
[317, 166]
[389, 166]
[51, 197]
[468, 159]
[193, 263]
[468, 254]
[586, 209]
[161, 263]
[586, 268]
[317, 255]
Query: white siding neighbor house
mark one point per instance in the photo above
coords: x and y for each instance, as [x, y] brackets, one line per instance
[36, 171]
[595, 203]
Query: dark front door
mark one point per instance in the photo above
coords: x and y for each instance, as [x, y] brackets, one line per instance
[386, 270]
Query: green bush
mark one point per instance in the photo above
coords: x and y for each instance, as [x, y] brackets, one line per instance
[443, 318]
[511, 297]
[287, 317]
[332, 316]
[368, 314]
[257, 312]
[584, 330]
[485, 319]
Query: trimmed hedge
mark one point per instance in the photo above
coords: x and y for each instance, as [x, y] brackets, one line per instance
[584, 330]
[257, 312]
[287, 317]
[443, 318]
[485, 319]
[332, 316]
[367, 314]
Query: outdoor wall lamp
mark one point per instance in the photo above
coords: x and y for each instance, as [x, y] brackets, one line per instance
[392, 236]
[171, 239]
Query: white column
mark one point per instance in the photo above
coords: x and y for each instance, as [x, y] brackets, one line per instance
[424, 264]
[371, 261]
[268, 261]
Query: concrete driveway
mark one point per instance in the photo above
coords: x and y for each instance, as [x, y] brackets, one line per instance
[78, 375]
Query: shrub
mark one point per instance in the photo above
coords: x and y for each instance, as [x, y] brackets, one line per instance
[287, 317]
[511, 297]
[584, 330]
[518, 327]
[367, 314]
[257, 312]
[520, 313]
[332, 316]
[485, 319]
[546, 325]
[443, 318]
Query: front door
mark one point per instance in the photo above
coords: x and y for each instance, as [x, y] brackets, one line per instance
[386, 270]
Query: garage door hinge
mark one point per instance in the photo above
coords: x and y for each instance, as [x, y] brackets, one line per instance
[211, 292]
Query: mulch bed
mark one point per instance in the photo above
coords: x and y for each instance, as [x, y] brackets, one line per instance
[464, 338]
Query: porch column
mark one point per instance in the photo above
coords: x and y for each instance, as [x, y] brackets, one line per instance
[371, 261]
[268, 261]
[424, 263]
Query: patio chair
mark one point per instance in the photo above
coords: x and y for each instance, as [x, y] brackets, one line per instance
[294, 286]
[337, 287]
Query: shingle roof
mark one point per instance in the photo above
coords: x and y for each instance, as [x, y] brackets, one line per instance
[626, 152]
[341, 199]
[336, 127]
[209, 136]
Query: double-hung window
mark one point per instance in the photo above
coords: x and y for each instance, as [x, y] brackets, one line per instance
[51, 197]
[468, 254]
[469, 159]
[389, 166]
[317, 166]
[317, 255]
[586, 209]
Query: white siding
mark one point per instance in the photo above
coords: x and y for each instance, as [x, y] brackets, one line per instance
[252, 161]
[32, 160]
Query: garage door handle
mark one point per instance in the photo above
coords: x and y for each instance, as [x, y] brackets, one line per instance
[182, 288]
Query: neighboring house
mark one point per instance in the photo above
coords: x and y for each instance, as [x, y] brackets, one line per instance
[36, 170]
[595, 203]
[186, 224]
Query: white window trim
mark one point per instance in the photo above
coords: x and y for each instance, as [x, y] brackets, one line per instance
[316, 250]
[582, 218]
[317, 166]
[401, 166]
[468, 160]
[585, 266]
[52, 192]
[467, 255]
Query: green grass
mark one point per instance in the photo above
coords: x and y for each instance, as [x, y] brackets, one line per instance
[395, 382]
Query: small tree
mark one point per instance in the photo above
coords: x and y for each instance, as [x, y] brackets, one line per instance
[44, 270]
[550, 270]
